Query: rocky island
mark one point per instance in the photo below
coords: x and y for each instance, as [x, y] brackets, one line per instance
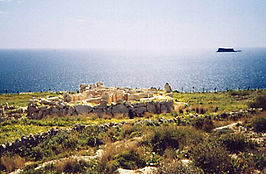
[226, 50]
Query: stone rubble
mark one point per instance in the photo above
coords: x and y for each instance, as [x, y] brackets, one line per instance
[7, 111]
[98, 93]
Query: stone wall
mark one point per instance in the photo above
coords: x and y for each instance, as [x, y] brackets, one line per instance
[7, 111]
[38, 111]
[29, 141]
[34, 140]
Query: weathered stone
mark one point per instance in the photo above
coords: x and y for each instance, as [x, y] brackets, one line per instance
[151, 108]
[163, 108]
[55, 111]
[67, 97]
[61, 105]
[99, 110]
[72, 110]
[82, 87]
[99, 84]
[83, 109]
[140, 110]
[120, 108]
[167, 87]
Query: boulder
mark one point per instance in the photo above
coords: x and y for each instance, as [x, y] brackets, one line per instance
[83, 87]
[72, 110]
[83, 109]
[99, 110]
[163, 108]
[120, 108]
[167, 87]
[55, 111]
[151, 108]
[67, 97]
[99, 84]
[140, 110]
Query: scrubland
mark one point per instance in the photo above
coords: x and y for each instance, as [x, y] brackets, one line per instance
[205, 133]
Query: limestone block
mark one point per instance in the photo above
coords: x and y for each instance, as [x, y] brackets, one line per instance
[99, 84]
[99, 110]
[140, 110]
[82, 87]
[83, 109]
[151, 108]
[167, 87]
[120, 108]
[132, 97]
[67, 97]
[143, 95]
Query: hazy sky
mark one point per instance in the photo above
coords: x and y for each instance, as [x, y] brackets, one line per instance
[132, 24]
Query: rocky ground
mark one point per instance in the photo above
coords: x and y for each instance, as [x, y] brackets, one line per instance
[201, 134]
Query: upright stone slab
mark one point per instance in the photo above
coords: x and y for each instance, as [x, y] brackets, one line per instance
[120, 109]
[167, 87]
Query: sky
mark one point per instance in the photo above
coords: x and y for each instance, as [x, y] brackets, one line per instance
[132, 24]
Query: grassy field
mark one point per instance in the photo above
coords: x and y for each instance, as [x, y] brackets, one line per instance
[14, 129]
[22, 99]
[218, 102]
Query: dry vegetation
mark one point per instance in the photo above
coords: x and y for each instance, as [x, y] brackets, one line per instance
[136, 144]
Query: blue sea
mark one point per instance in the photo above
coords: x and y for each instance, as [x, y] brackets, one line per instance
[59, 70]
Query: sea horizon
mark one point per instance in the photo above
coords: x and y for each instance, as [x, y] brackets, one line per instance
[64, 69]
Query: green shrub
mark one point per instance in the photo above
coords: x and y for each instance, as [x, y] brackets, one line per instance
[235, 142]
[259, 159]
[203, 123]
[129, 131]
[74, 166]
[176, 167]
[161, 138]
[238, 93]
[121, 155]
[211, 157]
[259, 124]
[65, 166]
[94, 141]
[128, 159]
[248, 161]
[260, 102]
[37, 153]
[62, 142]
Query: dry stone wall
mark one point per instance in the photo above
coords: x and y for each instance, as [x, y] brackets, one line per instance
[33, 140]
[7, 111]
[27, 141]
[38, 110]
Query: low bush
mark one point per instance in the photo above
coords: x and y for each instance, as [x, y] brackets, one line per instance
[259, 102]
[161, 138]
[129, 131]
[203, 123]
[259, 124]
[175, 167]
[248, 161]
[128, 159]
[121, 156]
[258, 159]
[71, 166]
[211, 157]
[239, 93]
[9, 164]
[68, 166]
[235, 142]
